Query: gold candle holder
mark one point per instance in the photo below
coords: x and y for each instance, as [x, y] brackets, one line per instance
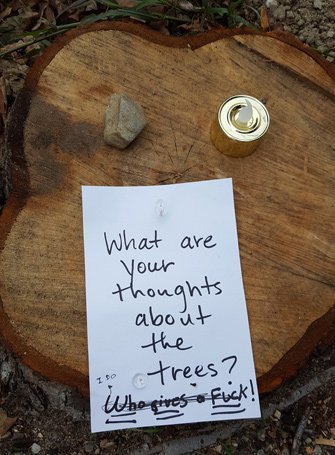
[239, 126]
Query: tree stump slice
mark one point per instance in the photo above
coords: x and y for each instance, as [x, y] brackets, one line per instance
[284, 192]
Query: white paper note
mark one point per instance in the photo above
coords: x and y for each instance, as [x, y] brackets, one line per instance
[168, 332]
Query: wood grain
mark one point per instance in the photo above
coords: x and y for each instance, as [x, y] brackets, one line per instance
[284, 192]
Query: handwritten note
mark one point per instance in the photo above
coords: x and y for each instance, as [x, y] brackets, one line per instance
[168, 332]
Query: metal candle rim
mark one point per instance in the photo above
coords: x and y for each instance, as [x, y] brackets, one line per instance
[233, 132]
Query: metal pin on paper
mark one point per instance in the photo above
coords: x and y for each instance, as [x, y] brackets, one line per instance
[161, 207]
[139, 381]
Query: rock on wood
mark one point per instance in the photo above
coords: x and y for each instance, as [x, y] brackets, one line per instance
[124, 120]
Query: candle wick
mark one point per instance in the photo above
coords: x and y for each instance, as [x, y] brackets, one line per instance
[245, 114]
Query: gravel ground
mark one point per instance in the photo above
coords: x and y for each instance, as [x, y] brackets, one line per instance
[312, 21]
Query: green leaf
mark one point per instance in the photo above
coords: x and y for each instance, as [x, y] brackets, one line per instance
[75, 5]
[108, 3]
[217, 11]
[241, 20]
[232, 6]
[147, 3]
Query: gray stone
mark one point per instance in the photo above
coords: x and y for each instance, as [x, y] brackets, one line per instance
[277, 414]
[279, 13]
[271, 3]
[317, 4]
[317, 450]
[261, 435]
[322, 49]
[124, 120]
[330, 34]
[88, 447]
[105, 444]
[35, 448]
[5, 436]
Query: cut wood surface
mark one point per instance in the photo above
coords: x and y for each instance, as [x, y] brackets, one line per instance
[284, 192]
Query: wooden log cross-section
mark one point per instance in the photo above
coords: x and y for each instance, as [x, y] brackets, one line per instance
[284, 192]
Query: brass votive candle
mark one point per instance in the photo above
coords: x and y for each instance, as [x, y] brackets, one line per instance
[239, 126]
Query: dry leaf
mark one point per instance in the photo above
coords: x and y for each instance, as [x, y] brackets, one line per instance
[3, 97]
[3, 104]
[57, 6]
[127, 3]
[92, 6]
[49, 15]
[26, 14]
[325, 442]
[41, 20]
[265, 25]
[5, 422]
[160, 27]
[195, 26]
[75, 16]
[34, 50]
[159, 9]
[6, 12]
[16, 5]
[14, 74]
[32, 2]
[187, 6]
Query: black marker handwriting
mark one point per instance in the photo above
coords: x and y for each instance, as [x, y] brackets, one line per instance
[186, 290]
[123, 243]
[223, 401]
[165, 344]
[157, 319]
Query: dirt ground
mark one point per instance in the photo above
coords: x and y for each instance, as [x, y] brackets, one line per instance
[299, 418]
